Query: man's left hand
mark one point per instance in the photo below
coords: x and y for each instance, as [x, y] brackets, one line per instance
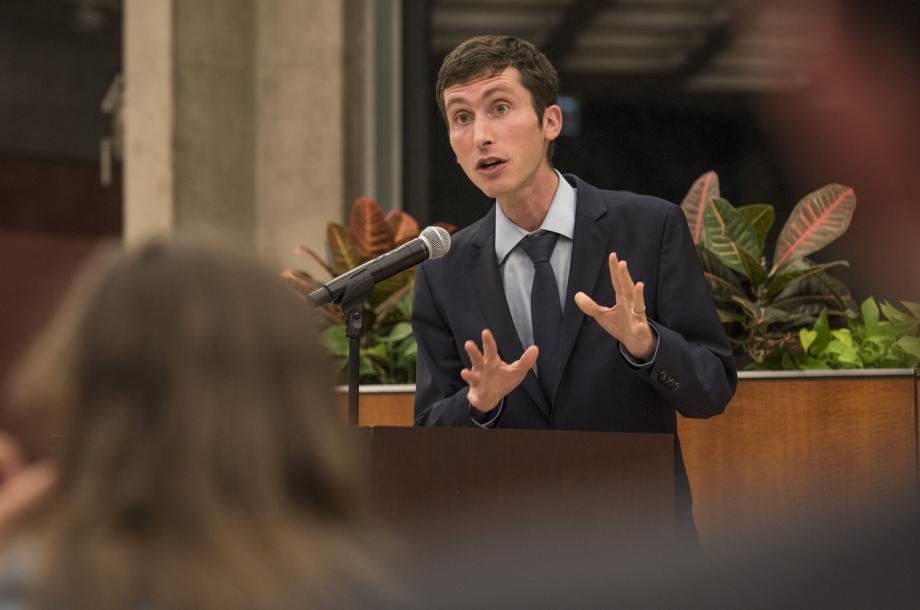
[625, 321]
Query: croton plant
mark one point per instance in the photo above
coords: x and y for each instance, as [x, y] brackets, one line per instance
[388, 346]
[764, 303]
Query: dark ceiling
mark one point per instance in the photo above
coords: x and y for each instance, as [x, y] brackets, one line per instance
[700, 46]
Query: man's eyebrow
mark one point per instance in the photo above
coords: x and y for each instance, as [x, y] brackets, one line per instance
[454, 100]
[487, 93]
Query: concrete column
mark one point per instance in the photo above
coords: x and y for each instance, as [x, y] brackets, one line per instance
[359, 97]
[300, 129]
[233, 120]
[148, 119]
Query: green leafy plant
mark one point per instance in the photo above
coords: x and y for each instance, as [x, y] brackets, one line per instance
[384, 358]
[388, 346]
[882, 337]
[762, 305]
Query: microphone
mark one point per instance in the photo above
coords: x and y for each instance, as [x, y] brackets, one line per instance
[432, 242]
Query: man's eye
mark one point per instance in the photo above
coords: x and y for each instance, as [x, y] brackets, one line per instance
[501, 108]
[461, 118]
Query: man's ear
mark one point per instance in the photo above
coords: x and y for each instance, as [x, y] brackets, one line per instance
[552, 122]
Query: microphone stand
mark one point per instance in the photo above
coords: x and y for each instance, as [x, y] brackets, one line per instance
[357, 288]
[432, 242]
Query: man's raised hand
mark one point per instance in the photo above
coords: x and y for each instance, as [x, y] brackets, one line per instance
[490, 378]
[626, 320]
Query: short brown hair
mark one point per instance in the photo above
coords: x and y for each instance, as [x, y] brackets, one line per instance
[488, 56]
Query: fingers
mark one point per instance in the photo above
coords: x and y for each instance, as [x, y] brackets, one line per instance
[614, 264]
[528, 358]
[489, 377]
[623, 286]
[626, 285]
[489, 356]
[473, 352]
[638, 300]
[588, 305]
[489, 347]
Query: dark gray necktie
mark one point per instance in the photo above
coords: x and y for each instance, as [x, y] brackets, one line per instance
[545, 310]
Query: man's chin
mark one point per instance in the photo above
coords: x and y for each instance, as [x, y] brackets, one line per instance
[489, 189]
[492, 187]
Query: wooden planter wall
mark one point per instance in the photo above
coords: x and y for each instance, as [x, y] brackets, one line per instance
[791, 447]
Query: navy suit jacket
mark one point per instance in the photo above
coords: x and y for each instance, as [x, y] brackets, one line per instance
[460, 294]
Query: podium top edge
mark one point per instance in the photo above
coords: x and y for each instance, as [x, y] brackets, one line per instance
[820, 374]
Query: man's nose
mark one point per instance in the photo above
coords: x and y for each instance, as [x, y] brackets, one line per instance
[482, 133]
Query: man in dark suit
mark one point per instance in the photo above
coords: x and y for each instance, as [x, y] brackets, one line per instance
[564, 343]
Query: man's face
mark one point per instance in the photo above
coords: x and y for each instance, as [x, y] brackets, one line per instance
[499, 141]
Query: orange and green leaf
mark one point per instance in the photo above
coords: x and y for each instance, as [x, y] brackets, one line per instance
[382, 290]
[761, 217]
[370, 232]
[403, 226]
[341, 252]
[729, 235]
[309, 252]
[694, 204]
[387, 305]
[303, 284]
[817, 220]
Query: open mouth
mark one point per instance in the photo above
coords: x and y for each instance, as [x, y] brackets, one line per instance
[489, 163]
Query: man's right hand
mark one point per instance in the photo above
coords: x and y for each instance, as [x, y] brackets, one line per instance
[491, 378]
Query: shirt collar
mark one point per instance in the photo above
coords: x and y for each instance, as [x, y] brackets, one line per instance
[559, 219]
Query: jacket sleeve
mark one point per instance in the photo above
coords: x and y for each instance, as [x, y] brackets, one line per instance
[440, 394]
[693, 368]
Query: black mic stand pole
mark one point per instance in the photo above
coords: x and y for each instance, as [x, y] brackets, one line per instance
[357, 288]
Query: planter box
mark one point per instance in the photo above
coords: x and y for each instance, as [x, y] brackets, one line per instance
[795, 448]
[381, 405]
[791, 446]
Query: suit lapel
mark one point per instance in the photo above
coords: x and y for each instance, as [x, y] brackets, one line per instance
[491, 295]
[589, 257]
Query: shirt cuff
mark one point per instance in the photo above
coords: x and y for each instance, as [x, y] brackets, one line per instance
[477, 416]
[641, 364]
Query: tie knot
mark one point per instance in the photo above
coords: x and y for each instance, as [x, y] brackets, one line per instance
[539, 246]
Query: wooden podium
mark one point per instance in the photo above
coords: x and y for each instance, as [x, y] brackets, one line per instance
[437, 486]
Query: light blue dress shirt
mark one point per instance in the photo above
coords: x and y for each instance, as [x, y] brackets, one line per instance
[516, 268]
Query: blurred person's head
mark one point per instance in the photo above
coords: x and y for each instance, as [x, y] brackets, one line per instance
[497, 95]
[200, 460]
[857, 122]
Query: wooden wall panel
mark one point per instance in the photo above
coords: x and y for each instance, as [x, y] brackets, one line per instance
[790, 450]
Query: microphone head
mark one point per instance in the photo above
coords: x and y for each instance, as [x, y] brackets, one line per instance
[437, 240]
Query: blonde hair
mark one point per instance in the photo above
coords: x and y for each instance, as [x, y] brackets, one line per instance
[201, 462]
